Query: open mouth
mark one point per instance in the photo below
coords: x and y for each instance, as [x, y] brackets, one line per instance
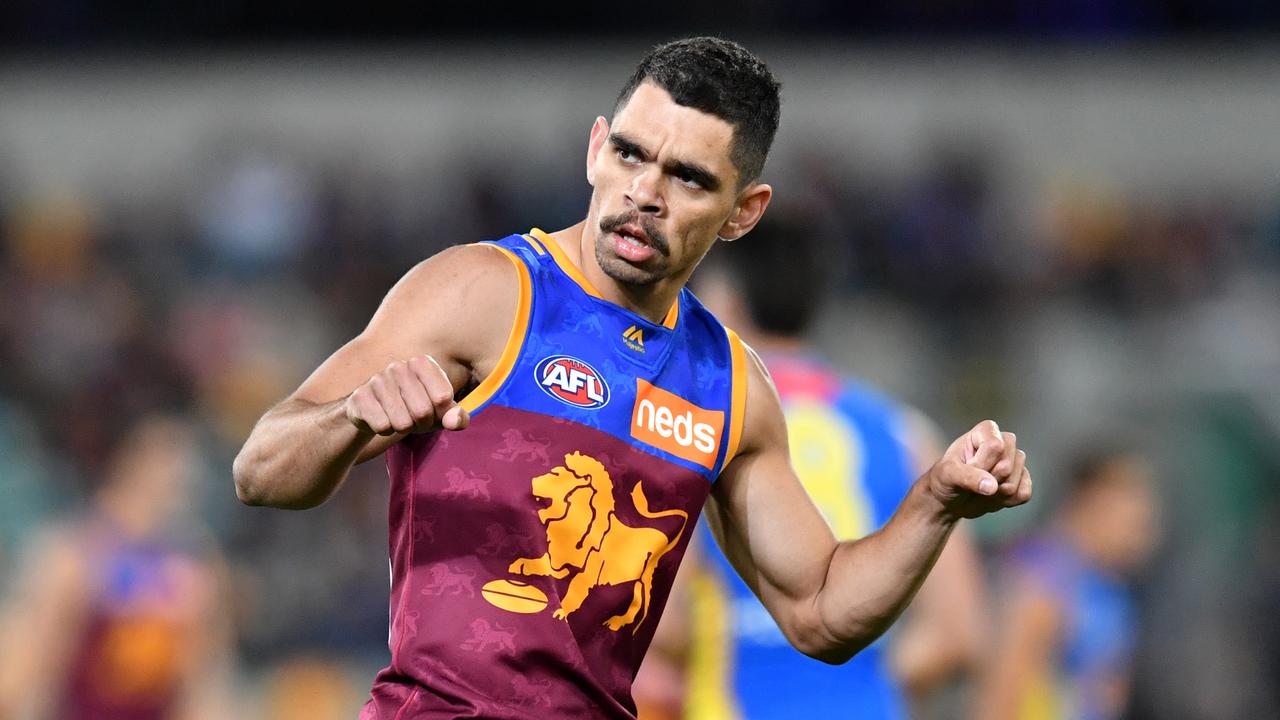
[632, 243]
[634, 235]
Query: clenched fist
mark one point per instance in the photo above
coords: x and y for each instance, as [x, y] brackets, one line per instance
[983, 471]
[411, 396]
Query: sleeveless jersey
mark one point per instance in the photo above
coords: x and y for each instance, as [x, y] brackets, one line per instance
[847, 448]
[128, 661]
[1097, 636]
[533, 552]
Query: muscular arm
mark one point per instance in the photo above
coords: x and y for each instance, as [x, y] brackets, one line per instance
[440, 330]
[832, 599]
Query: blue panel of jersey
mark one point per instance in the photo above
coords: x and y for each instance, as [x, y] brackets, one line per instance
[692, 360]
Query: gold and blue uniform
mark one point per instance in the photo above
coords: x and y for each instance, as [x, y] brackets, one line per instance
[848, 448]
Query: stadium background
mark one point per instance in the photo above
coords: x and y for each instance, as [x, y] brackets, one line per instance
[1062, 214]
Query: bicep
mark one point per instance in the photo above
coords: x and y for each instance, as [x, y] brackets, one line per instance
[449, 307]
[456, 307]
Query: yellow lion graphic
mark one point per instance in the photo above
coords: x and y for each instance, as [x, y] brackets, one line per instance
[586, 539]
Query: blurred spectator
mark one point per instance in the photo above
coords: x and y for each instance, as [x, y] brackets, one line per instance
[1067, 625]
[121, 613]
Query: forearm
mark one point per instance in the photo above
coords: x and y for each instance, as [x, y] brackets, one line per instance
[297, 455]
[943, 633]
[869, 582]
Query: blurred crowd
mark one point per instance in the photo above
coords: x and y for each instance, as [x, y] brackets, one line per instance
[210, 301]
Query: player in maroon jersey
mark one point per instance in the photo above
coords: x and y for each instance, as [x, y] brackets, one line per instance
[122, 614]
[676, 168]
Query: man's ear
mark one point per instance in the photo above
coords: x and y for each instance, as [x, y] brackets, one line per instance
[748, 211]
[599, 133]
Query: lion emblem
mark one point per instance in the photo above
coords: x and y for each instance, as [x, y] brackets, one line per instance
[497, 541]
[484, 635]
[442, 579]
[586, 538]
[516, 446]
[465, 484]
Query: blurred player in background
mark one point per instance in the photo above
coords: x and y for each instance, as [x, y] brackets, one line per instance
[120, 615]
[1065, 650]
[857, 454]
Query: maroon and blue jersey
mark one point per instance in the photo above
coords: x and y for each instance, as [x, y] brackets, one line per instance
[533, 552]
[131, 654]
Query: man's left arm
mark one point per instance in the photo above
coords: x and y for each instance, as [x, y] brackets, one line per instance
[832, 599]
[942, 633]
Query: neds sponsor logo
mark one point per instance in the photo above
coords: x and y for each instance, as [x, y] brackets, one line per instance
[669, 422]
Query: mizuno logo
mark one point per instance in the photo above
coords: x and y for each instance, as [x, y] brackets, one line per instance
[634, 338]
[669, 422]
[572, 381]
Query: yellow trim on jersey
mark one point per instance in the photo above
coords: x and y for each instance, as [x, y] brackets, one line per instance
[738, 410]
[565, 263]
[673, 315]
[537, 247]
[515, 339]
[709, 692]
[557, 252]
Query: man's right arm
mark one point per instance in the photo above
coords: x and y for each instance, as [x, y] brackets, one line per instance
[440, 330]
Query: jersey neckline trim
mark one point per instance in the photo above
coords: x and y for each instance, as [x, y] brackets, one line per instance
[542, 239]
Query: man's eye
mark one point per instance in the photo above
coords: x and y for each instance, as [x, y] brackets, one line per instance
[627, 156]
[689, 181]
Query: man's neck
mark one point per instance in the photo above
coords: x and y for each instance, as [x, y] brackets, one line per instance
[649, 301]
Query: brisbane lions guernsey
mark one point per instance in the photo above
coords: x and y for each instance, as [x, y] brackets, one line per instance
[533, 552]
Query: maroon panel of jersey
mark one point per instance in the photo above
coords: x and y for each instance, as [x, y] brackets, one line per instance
[533, 552]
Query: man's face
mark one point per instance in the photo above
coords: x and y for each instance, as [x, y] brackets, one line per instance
[664, 188]
[1124, 514]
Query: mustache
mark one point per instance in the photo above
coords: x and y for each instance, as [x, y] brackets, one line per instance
[654, 236]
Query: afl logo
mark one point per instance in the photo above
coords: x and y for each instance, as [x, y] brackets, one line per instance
[572, 381]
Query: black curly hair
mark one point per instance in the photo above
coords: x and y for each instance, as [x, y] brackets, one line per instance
[722, 78]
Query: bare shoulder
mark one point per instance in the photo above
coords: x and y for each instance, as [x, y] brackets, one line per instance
[453, 277]
[459, 304]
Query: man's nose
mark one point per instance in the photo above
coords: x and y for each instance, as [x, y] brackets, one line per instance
[645, 191]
